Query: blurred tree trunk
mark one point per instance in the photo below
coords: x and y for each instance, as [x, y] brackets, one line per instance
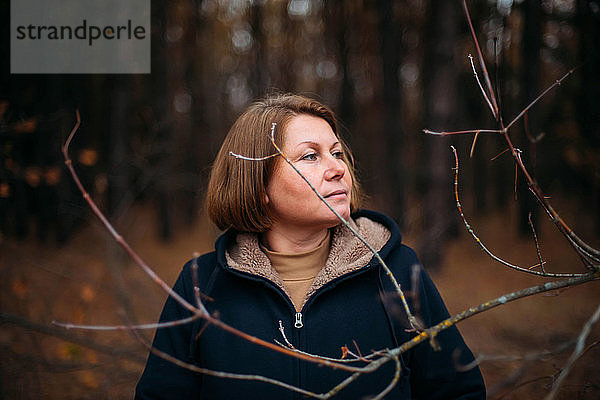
[440, 91]
[531, 70]
[336, 19]
[176, 201]
[203, 134]
[118, 165]
[588, 105]
[159, 93]
[390, 50]
[258, 81]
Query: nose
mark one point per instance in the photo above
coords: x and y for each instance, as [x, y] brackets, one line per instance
[335, 168]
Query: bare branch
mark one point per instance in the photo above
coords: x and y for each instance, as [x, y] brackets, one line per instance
[537, 244]
[555, 84]
[415, 278]
[486, 76]
[62, 334]
[480, 243]
[241, 157]
[282, 330]
[220, 374]
[394, 381]
[473, 144]
[582, 248]
[430, 333]
[197, 293]
[138, 260]
[499, 154]
[158, 325]
[485, 96]
[463, 132]
[356, 358]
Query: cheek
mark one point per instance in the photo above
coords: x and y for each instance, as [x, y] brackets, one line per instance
[287, 188]
[348, 180]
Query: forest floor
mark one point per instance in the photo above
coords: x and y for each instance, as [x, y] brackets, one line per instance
[91, 281]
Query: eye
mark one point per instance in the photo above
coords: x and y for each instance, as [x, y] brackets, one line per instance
[338, 154]
[310, 157]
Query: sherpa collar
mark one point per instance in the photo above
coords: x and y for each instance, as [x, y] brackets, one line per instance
[347, 253]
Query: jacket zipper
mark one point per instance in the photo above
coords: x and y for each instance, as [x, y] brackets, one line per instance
[298, 316]
[298, 322]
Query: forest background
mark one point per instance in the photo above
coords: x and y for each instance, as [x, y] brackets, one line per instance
[389, 69]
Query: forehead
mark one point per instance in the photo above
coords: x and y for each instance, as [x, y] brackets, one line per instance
[308, 128]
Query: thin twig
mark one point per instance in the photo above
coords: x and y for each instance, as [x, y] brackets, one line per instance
[555, 84]
[118, 238]
[485, 96]
[473, 144]
[496, 74]
[393, 382]
[415, 279]
[537, 244]
[486, 76]
[357, 348]
[69, 337]
[480, 243]
[157, 325]
[463, 132]
[282, 330]
[591, 254]
[579, 350]
[499, 154]
[356, 358]
[197, 292]
[231, 153]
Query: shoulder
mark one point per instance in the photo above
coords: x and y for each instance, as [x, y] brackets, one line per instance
[378, 226]
[198, 269]
[372, 221]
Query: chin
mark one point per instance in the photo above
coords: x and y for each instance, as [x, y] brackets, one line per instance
[344, 213]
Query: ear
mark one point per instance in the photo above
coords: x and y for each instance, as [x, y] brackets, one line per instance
[267, 200]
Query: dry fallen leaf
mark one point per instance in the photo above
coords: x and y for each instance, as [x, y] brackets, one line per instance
[87, 293]
[20, 287]
[89, 379]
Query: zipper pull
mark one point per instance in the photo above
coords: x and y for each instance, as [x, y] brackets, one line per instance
[298, 324]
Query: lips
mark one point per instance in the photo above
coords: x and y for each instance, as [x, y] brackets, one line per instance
[336, 194]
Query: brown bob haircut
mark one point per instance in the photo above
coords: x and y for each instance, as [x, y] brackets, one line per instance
[237, 188]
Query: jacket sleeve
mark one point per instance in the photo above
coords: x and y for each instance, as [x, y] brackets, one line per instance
[162, 379]
[437, 373]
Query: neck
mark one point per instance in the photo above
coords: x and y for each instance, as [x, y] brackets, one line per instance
[283, 240]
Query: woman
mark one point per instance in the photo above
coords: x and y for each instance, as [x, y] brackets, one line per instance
[286, 269]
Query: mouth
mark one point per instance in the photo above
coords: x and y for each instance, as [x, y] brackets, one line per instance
[338, 194]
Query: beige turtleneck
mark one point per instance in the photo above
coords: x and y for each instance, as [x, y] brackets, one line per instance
[298, 270]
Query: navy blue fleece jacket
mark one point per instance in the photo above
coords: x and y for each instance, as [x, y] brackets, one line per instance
[351, 304]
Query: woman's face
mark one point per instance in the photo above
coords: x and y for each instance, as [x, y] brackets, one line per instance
[313, 148]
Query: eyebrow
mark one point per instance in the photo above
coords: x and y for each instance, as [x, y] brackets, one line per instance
[315, 143]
